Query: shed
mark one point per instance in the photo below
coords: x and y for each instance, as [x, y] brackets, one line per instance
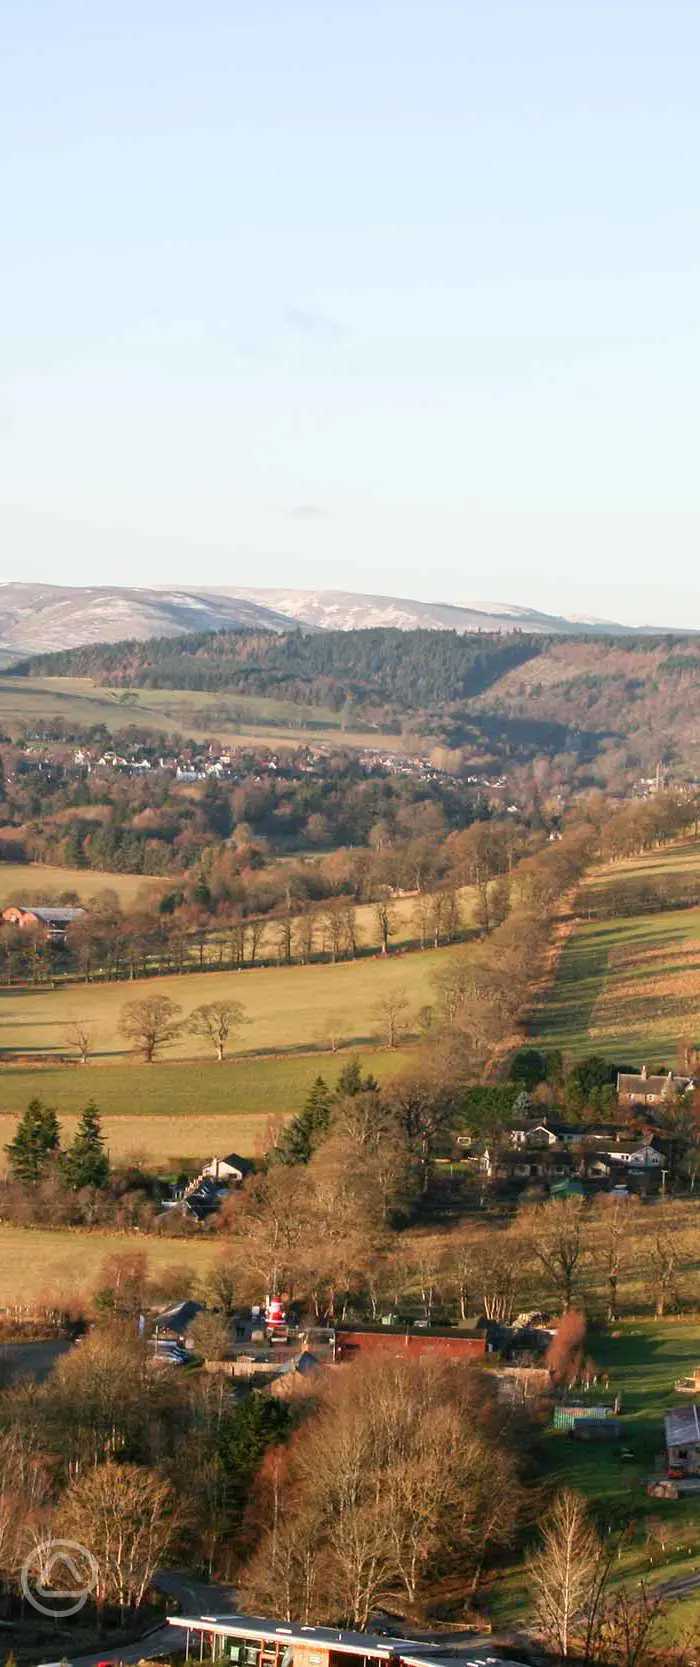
[682, 1428]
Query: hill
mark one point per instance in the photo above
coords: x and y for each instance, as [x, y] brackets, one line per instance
[40, 618]
[628, 981]
[617, 704]
[344, 610]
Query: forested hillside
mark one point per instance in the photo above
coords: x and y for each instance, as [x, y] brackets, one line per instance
[404, 670]
[622, 703]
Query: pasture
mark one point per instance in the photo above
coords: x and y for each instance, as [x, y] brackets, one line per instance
[36, 1264]
[27, 882]
[235, 719]
[174, 1110]
[287, 1009]
[628, 987]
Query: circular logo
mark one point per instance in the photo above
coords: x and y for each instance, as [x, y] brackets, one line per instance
[58, 1577]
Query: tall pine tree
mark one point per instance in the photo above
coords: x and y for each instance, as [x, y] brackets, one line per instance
[299, 1140]
[86, 1163]
[36, 1142]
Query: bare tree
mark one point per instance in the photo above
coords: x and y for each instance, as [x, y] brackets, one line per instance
[391, 1011]
[558, 1243]
[126, 1514]
[79, 1035]
[214, 1021]
[385, 918]
[150, 1024]
[562, 1574]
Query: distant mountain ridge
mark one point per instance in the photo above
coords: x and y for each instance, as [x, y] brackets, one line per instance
[39, 619]
[44, 618]
[343, 610]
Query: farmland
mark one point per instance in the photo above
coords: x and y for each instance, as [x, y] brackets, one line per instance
[629, 987]
[28, 881]
[34, 1263]
[288, 1009]
[234, 718]
[165, 1112]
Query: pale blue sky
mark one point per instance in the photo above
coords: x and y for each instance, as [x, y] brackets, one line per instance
[372, 294]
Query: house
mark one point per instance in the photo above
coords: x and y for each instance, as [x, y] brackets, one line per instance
[641, 1089]
[352, 1340]
[54, 922]
[175, 1321]
[234, 1168]
[635, 1154]
[682, 1428]
[253, 1641]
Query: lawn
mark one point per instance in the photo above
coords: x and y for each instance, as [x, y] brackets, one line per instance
[288, 1009]
[35, 1263]
[643, 1360]
[629, 987]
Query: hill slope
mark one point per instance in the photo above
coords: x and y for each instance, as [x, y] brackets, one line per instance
[343, 610]
[41, 618]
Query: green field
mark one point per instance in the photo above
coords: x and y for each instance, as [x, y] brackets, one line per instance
[643, 1359]
[628, 988]
[288, 1009]
[263, 722]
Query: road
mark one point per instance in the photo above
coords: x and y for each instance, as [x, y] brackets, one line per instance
[186, 1594]
[34, 1360]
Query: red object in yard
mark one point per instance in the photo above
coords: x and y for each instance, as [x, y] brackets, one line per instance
[274, 1312]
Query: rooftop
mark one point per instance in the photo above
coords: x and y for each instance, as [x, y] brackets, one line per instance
[682, 1426]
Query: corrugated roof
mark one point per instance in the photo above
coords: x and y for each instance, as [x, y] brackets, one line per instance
[682, 1425]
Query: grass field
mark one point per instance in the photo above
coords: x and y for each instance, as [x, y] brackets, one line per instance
[288, 1009]
[79, 701]
[165, 1111]
[33, 1263]
[32, 878]
[643, 1360]
[629, 988]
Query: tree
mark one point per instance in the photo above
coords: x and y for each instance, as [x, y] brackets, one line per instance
[563, 1574]
[86, 1163]
[391, 1011]
[214, 1021]
[211, 1335]
[36, 1143]
[351, 1080]
[385, 918]
[150, 1024]
[79, 1035]
[558, 1243]
[127, 1515]
[302, 1135]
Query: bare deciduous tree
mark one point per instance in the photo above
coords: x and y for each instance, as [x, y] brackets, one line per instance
[79, 1035]
[126, 1514]
[150, 1024]
[215, 1021]
[391, 1012]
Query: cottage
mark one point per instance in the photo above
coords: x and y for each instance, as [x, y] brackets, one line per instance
[234, 1168]
[641, 1089]
[635, 1154]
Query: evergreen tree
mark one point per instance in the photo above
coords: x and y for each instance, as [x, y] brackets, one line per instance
[351, 1080]
[299, 1140]
[36, 1142]
[86, 1163]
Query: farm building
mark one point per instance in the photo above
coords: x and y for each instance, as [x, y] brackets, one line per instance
[251, 1641]
[351, 1341]
[682, 1427]
[232, 1168]
[54, 922]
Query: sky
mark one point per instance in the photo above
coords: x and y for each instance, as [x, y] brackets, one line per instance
[369, 294]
